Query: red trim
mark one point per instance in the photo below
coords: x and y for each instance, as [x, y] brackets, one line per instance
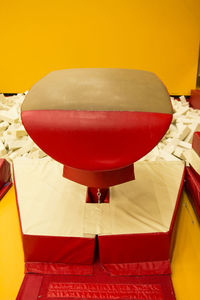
[56, 269]
[140, 268]
[193, 188]
[177, 201]
[16, 197]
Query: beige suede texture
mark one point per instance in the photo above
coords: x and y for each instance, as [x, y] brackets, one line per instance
[54, 206]
[101, 89]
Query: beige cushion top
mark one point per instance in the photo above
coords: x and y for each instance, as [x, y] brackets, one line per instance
[52, 205]
[99, 90]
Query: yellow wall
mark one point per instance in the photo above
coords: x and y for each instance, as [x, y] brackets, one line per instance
[38, 36]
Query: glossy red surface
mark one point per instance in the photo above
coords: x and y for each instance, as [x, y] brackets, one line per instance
[99, 179]
[99, 285]
[4, 172]
[196, 142]
[72, 250]
[195, 99]
[96, 140]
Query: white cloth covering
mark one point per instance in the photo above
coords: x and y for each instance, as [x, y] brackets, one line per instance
[52, 205]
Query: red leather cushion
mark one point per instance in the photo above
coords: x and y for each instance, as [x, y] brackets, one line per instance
[96, 140]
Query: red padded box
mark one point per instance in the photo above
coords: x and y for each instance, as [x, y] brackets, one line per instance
[195, 99]
[5, 177]
[142, 225]
[196, 142]
[143, 213]
[51, 213]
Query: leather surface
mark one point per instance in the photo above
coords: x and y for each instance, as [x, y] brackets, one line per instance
[99, 285]
[4, 172]
[132, 248]
[139, 268]
[58, 268]
[196, 142]
[95, 140]
[195, 99]
[100, 89]
[72, 250]
[99, 179]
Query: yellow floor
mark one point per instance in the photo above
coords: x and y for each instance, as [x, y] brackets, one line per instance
[186, 257]
[11, 252]
[185, 263]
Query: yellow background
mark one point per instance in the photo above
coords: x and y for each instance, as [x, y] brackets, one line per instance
[38, 36]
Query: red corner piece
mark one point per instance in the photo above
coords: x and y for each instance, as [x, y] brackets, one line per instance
[5, 175]
[196, 142]
[195, 99]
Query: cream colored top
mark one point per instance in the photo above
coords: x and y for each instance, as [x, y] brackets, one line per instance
[52, 205]
[99, 90]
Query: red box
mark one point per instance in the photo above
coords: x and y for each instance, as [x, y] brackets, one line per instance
[51, 214]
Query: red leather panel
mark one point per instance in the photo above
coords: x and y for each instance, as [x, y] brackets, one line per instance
[100, 179]
[30, 287]
[132, 248]
[196, 142]
[104, 291]
[96, 140]
[56, 269]
[195, 99]
[140, 268]
[193, 188]
[101, 285]
[4, 172]
[71, 250]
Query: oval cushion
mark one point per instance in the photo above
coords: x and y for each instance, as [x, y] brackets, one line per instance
[97, 119]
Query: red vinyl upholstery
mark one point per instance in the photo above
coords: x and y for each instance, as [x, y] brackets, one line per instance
[97, 120]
